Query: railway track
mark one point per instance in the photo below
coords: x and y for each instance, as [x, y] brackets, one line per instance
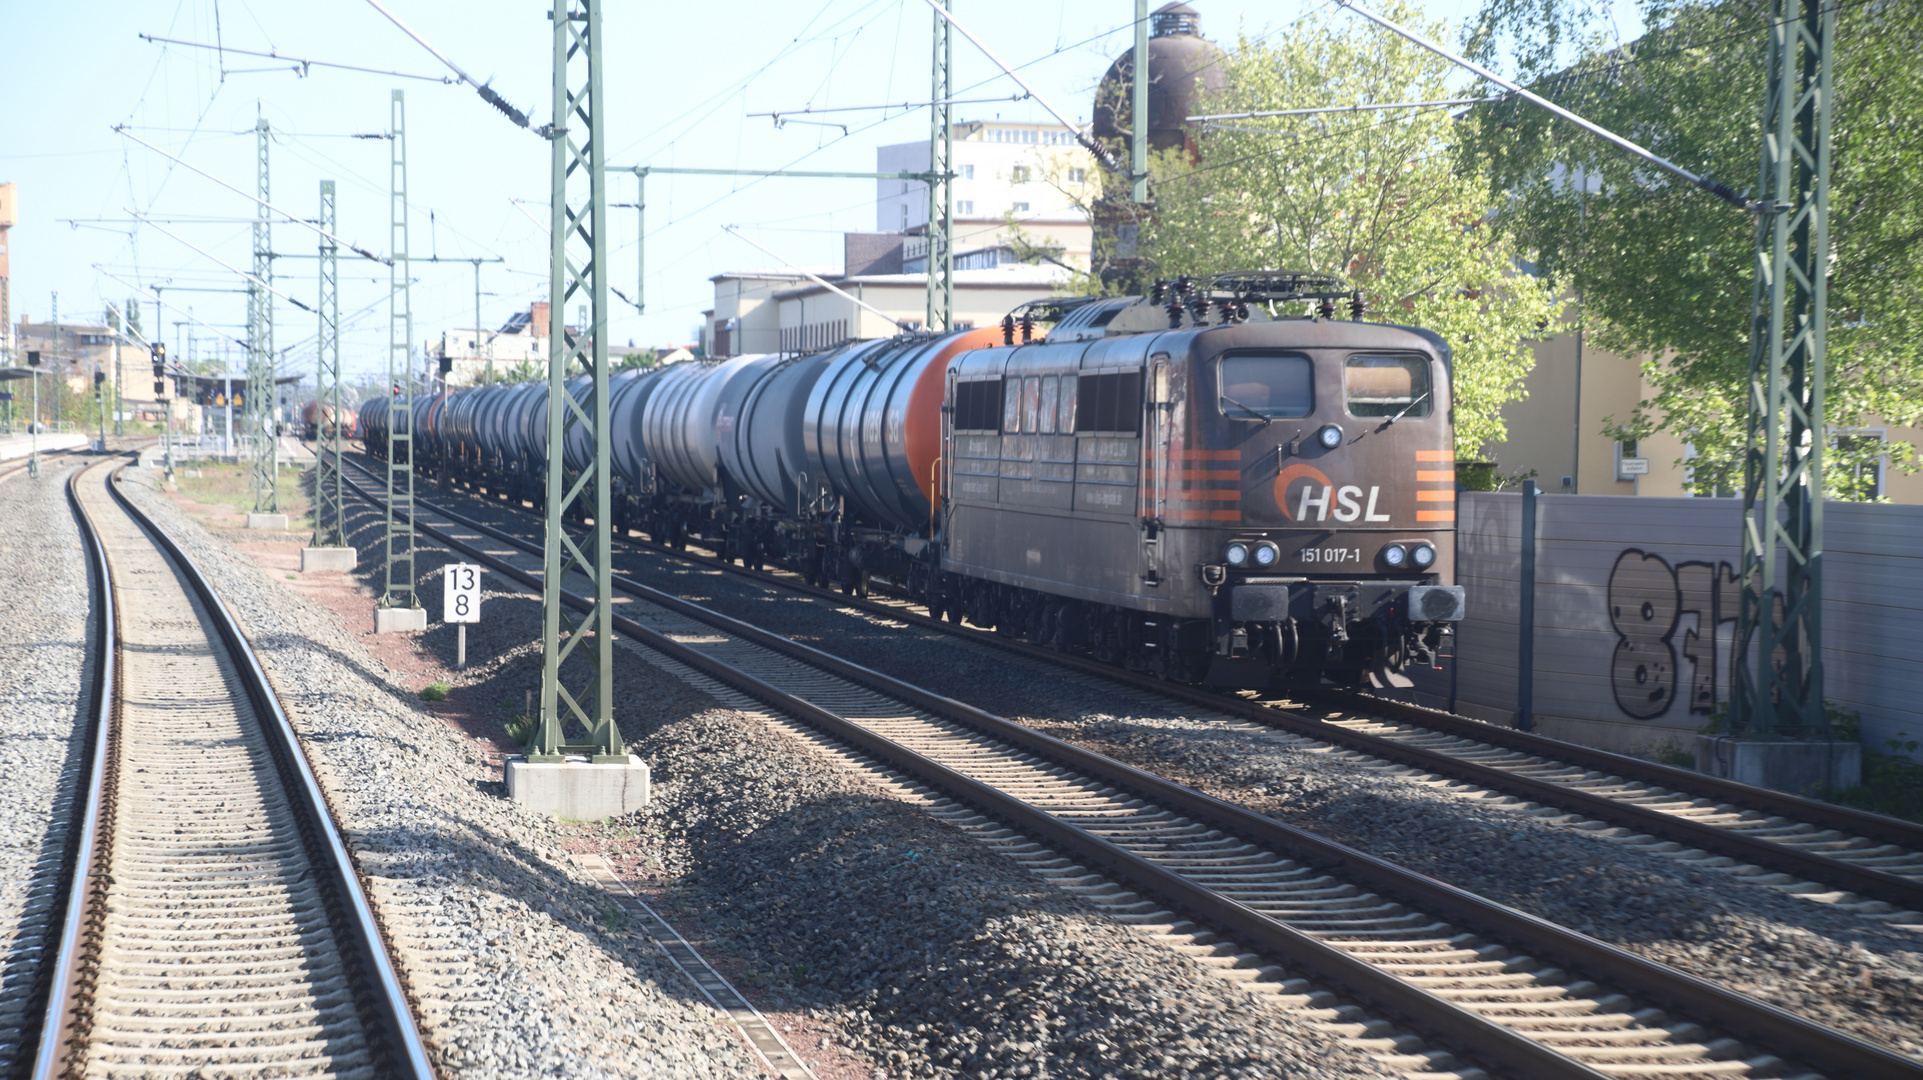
[213, 923]
[1869, 862]
[1279, 907]
[21, 466]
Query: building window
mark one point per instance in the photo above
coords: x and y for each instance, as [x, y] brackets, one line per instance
[1859, 463]
[1018, 175]
[1629, 462]
[1020, 208]
[1078, 176]
[967, 172]
[904, 219]
[964, 206]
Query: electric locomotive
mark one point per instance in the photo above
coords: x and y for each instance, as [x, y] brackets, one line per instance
[1182, 483]
[1179, 485]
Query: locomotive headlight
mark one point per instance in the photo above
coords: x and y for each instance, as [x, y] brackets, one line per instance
[1267, 554]
[1236, 554]
[1395, 555]
[1330, 436]
[1423, 556]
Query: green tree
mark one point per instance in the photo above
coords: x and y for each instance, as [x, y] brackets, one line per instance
[1372, 196]
[1664, 270]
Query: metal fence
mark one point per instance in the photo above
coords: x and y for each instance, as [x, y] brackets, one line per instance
[1635, 616]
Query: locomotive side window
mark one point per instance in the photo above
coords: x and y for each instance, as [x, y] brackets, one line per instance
[1067, 405]
[1267, 386]
[1110, 402]
[1031, 401]
[1051, 403]
[978, 405]
[1390, 386]
[1011, 405]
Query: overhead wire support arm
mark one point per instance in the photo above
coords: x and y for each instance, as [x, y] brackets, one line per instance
[301, 61]
[1716, 188]
[1101, 152]
[175, 308]
[816, 278]
[302, 222]
[640, 203]
[903, 105]
[1444, 103]
[487, 92]
[210, 255]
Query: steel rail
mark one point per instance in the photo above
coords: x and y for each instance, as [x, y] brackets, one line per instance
[1862, 822]
[86, 856]
[384, 1001]
[1782, 1032]
[44, 458]
[1866, 881]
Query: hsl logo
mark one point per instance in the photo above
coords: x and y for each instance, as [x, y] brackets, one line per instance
[1319, 493]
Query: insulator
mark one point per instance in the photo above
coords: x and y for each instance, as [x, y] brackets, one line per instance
[1008, 329]
[1156, 292]
[1174, 309]
[1200, 307]
[1325, 308]
[1184, 285]
[1356, 306]
[1227, 310]
[1028, 329]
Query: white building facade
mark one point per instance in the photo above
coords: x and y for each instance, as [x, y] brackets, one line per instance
[1035, 173]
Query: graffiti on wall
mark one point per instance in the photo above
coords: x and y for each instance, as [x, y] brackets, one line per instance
[1668, 620]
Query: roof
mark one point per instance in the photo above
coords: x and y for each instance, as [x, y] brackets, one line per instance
[999, 277]
[786, 273]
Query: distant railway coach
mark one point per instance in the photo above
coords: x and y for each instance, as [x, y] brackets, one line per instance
[1179, 483]
[318, 421]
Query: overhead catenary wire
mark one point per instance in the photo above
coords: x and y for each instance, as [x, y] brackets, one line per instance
[243, 273]
[487, 93]
[1101, 152]
[302, 222]
[809, 110]
[177, 309]
[548, 230]
[1716, 188]
[1343, 108]
[814, 277]
[302, 62]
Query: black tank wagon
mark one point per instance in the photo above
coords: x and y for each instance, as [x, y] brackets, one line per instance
[1178, 483]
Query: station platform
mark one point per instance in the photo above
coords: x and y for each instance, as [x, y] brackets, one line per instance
[19, 446]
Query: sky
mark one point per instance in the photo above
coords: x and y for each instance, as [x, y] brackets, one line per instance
[680, 83]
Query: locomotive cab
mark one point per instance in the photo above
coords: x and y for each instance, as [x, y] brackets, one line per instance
[1317, 460]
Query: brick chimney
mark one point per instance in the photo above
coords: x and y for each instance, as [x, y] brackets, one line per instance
[538, 319]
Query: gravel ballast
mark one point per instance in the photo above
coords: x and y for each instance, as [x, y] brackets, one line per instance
[46, 677]
[930, 954]
[831, 900]
[1836, 966]
[517, 962]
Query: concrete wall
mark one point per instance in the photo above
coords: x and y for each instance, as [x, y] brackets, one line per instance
[1636, 607]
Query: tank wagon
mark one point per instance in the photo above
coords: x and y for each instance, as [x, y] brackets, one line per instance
[317, 420]
[1178, 483]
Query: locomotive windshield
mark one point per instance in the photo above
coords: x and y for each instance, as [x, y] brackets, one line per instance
[1392, 386]
[1267, 386]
